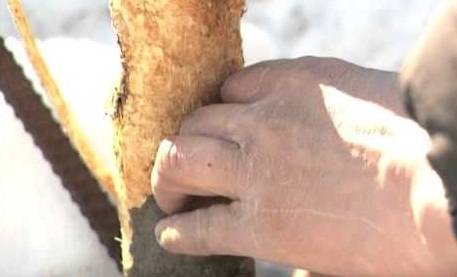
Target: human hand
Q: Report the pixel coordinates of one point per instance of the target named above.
(319, 174)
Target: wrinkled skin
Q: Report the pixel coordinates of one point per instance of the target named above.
(320, 173)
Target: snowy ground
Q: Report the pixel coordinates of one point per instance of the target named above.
(37, 218)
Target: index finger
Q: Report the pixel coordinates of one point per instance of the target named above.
(250, 84)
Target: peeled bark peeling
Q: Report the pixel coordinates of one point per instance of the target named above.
(176, 54)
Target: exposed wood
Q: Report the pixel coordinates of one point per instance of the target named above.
(176, 54)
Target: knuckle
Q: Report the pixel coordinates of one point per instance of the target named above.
(313, 60)
(185, 124)
(244, 79)
(318, 64)
(244, 127)
(308, 60)
(264, 115)
(227, 86)
(190, 121)
(251, 115)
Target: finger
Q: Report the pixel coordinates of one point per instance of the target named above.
(217, 230)
(222, 121)
(173, 202)
(169, 196)
(199, 166)
(251, 84)
(169, 202)
(182, 199)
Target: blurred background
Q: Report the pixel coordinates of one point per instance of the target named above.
(42, 233)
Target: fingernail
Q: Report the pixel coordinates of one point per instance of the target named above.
(166, 144)
(166, 234)
(168, 152)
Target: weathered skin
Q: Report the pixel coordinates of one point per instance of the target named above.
(176, 54)
(323, 171)
(430, 85)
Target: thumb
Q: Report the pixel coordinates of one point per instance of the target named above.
(217, 230)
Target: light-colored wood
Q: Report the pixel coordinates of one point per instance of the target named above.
(176, 55)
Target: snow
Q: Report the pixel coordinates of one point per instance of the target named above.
(368, 32)
(42, 233)
(74, 18)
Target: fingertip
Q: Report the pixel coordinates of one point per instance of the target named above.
(203, 232)
(166, 235)
(164, 159)
(167, 153)
(158, 229)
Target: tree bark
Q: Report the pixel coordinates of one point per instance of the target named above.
(176, 54)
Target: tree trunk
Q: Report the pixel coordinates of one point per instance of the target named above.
(176, 54)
